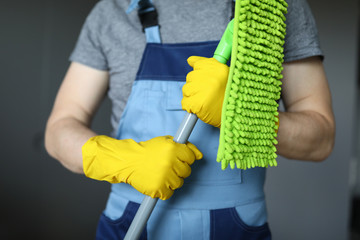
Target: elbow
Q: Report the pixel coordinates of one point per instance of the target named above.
(51, 150)
(325, 149)
(325, 152)
(67, 129)
(48, 143)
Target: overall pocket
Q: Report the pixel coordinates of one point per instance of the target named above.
(132, 123)
(174, 95)
(109, 229)
(227, 224)
(143, 117)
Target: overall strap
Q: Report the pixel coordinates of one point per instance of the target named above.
(149, 19)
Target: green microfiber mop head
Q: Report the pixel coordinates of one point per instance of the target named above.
(249, 114)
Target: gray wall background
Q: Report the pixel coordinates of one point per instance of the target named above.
(39, 199)
(312, 200)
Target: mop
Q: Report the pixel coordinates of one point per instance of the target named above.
(249, 118)
(249, 114)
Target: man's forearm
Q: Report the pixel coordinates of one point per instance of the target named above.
(305, 136)
(64, 139)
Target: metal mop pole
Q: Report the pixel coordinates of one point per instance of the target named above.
(222, 54)
(148, 204)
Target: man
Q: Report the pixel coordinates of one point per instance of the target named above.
(105, 61)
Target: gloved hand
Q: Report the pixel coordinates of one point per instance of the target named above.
(204, 91)
(155, 167)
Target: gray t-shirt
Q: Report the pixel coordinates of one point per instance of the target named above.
(114, 41)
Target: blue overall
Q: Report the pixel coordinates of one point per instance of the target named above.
(212, 204)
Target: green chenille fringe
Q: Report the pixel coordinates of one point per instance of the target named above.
(249, 113)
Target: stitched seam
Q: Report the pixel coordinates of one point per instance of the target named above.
(245, 227)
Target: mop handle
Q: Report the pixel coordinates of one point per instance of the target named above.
(148, 204)
(222, 54)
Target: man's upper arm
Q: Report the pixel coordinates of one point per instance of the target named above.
(305, 88)
(80, 93)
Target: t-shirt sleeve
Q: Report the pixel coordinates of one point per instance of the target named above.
(301, 40)
(88, 49)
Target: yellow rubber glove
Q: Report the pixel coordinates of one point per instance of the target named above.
(204, 90)
(155, 167)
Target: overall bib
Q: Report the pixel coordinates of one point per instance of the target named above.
(212, 204)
